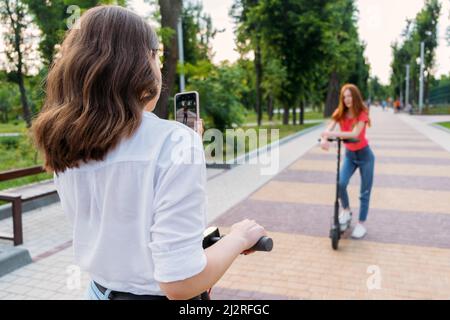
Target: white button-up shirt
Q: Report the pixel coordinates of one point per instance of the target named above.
(138, 216)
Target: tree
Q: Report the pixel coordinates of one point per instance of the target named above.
(274, 76)
(359, 75)
(344, 52)
(18, 42)
(51, 18)
(220, 90)
(291, 30)
(378, 91)
(197, 33)
(422, 29)
(7, 94)
(170, 11)
(248, 25)
(426, 31)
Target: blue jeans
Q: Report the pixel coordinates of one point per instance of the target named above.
(363, 159)
(94, 294)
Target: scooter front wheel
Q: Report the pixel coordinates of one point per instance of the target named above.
(334, 235)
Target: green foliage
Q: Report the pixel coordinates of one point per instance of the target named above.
(197, 32)
(16, 155)
(8, 99)
(378, 92)
(422, 29)
(17, 152)
(52, 16)
(220, 95)
(302, 43)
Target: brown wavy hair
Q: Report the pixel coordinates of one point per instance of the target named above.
(357, 107)
(97, 87)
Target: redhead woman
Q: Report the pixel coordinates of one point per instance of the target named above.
(353, 118)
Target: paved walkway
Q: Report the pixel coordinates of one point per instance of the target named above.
(406, 253)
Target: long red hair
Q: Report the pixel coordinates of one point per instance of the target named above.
(357, 107)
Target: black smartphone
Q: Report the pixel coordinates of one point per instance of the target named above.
(187, 109)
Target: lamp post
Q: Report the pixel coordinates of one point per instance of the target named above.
(181, 53)
(407, 86)
(422, 65)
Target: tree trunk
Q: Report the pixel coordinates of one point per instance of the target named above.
(286, 114)
(170, 12)
(270, 107)
(294, 114)
(16, 18)
(302, 112)
(258, 70)
(332, 95)
(413, 90)
(24, 101)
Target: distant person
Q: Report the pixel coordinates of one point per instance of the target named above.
(389, 102)
(408, 108)
(397, 105)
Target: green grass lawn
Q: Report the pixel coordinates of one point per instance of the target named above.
(309, 115)
(13, 127)
(445, 124)
(284, 131)
(17, 153)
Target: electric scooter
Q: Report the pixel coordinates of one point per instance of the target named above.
(335, 230)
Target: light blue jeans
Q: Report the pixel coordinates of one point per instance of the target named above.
(93, 293)
(363, 159)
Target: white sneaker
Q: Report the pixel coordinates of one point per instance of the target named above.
(344, 220)
(359, 231)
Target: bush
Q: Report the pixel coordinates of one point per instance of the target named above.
(9, 143)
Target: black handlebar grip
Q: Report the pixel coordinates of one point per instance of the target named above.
(263, 244)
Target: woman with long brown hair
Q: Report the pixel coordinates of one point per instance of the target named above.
(132, 184)
(353, 118)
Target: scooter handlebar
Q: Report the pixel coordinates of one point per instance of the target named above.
(212, 235)
(263, 244)
(349, 140)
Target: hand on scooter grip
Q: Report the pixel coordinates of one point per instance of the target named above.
(324, 144)
(249, 232)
